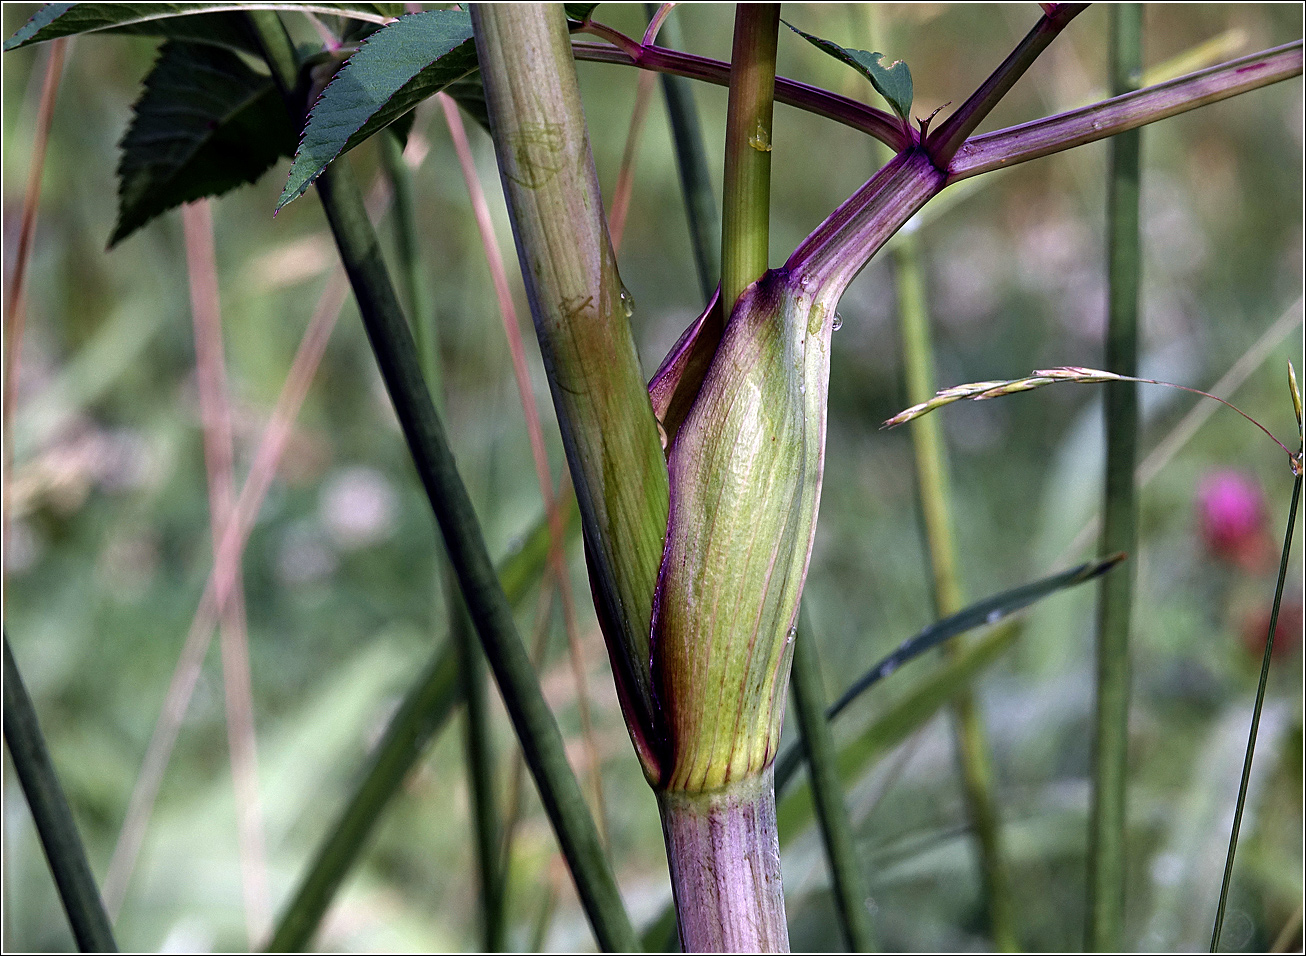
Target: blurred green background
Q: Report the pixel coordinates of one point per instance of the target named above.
(109, 547)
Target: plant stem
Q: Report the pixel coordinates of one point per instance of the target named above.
(701, 209)
(1256, 714)
(582, 319)
(724, 854)
(1106, 857)
(1019, 144)
(536, 728)
(478, 744)
(52, 816)
(935, 498)
(885, 127)
(846, 876)
(480, 776)
(944, 142)
(746, 195)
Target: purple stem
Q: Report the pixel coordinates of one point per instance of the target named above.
(841, 246)
(944, 142)
(883, 126)
(1017, 144)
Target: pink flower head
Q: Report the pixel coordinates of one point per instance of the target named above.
(1231, 508)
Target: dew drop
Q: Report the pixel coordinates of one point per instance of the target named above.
(627, 303)
(838, 322)
(789, 638)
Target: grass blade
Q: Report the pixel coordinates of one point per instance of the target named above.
(1106, 853)
(846, 876)
(1256, 714)
(54, 820)
(421, 716)
(989, 611)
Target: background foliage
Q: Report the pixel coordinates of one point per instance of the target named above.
(110, 546)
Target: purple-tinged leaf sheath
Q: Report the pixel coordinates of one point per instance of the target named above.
(675, 385)
(745, 473)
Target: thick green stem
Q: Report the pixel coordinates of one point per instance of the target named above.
(582, 319)
(54, 820)
(724, 855)
(1106, 857)
(746, 197)
(846, 877)
(691, 162)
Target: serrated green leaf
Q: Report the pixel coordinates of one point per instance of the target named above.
(394, 70)
(892, 81)
(205, 124)
(56, 20)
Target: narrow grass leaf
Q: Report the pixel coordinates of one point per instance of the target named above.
(422, 714)
(205, 124)
(891, 80)
(395, 69)
(919, 705)
(989, 611)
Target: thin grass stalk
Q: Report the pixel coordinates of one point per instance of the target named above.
(1256, 715)
(536, 728)
(1188, 426)
(219, 458)
(52, 816)
(478, 744)
(220, 582)
(701, 209)
(746, 195)
(934, 496)
(421, 716)
(530, 411)
(479, 750)
(626, 176)
(1108, 819)
(14, 304)
(847, 879)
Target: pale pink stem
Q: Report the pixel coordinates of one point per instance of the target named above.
(512, 329)
(626, 178)
(218, 588)
(219, 460)
(14, 305)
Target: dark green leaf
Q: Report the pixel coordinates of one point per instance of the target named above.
(153, 19)
(398, 67)
(205, 124)
(892, 81)
(579, 12)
